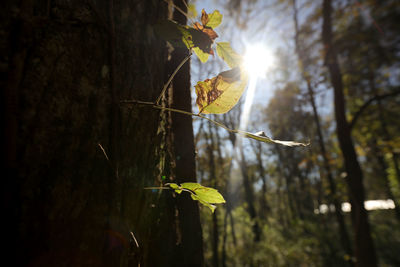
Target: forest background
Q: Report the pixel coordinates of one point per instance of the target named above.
(281, 201)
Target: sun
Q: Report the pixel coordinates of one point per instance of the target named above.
(258, 59)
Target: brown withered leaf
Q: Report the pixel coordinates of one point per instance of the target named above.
(203, 34)
(221, 93)
(207, 30)
(203, 37)
(204, 17)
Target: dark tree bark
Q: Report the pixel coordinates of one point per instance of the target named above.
(184, 151)
(364, 247)
(76, 162)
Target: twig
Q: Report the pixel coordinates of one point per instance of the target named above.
(178, 111)
(257, 136)
(156, 187)
(134, 239)
(171, 77)
(136, 242)
(104, 152)
(367, 104)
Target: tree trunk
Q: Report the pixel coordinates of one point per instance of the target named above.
(77, 163)
(265, 208)
(213, 184)
(364, 247)
(344, 237)
(191, 244)
(291, 193)
(249, 195)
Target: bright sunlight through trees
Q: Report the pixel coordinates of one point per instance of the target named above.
(258, 59)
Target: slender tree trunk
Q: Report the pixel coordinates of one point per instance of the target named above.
(249, 194)
(290, 191)
(265, 208)
(364, 246)
(228, 217)
(213, 181)
(344, 237)
(191, 246)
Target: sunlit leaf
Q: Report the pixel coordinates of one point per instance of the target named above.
(204, 35)
(205, 195)
(260, 136)
(200, 37)
(225, 51)
(203, 56)
(176, 187)
(212, 20)
(210, 206)
(221, 93)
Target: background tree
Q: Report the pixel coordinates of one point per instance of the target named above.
(302, 226)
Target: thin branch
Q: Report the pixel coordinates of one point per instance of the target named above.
(178, 111)
(260, 136)
(172, 76)
(104, 151)
(157, 187)
(134, 239)
(367, 104)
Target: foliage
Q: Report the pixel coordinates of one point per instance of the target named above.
(205, 195)
(216, 95)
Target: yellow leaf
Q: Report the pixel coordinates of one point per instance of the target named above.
(226, 52)
(221, 93)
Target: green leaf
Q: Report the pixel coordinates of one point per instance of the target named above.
(176, 187)
(260, 136)
(173, 186)
(210, 206)
(221, 93)
(225, 51)
(187, 37)
(203, 56)
(214, 19)
(206, 194)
